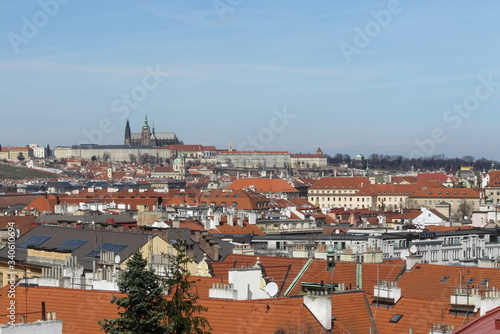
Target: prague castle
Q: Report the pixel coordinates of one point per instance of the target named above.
(148, 137)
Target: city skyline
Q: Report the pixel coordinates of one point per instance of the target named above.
(386, 77)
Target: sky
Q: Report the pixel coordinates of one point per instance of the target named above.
(414, 78)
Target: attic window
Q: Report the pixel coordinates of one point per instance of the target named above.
(444, 279)
(485, 282)
(470, 281)
(395, 318)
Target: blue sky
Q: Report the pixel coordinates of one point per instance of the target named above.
(352, 76)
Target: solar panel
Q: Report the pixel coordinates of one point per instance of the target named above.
(34, 240)
(72, 244)
(115, 248)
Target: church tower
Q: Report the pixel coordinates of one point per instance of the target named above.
(146, 133)
(128, 134)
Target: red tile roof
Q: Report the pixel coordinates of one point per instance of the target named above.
(244, 199)
(254, 152)
(23, 223)
(417, 313)
(424, 280)
(224, 228)
(340, 183)
(81, 309)
(263, 185)
(444, 192)
(277, 269)
(485, 324)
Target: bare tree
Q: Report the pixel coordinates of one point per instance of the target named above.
(464, 209)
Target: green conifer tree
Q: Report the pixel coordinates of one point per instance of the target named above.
(144, 305)
(182, 312)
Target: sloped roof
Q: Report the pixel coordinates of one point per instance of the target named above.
(345, 272)
(404, 179)
(483, 325)
(388, 189)
(281, 270)
(81, 309)
(224, 228)
(417, 313)
(260, 316)
(444, 192)
(352, 313)
(10, 200)
(78, 309)
(440, 177)
(424, 280)
(244, 199)
(263, 185)
(494, 178)
(355, 182)
(23, 223)
(91, 238)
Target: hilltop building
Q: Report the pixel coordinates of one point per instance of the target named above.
(148, 136)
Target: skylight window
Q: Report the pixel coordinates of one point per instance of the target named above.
(485, 282)
(395, 318)
(470, 281)
(444, 279)
(34, 240)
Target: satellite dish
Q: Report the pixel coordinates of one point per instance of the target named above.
(271, 289)
(413, 249)
(337, 231)
(117, 259)
(404, 254)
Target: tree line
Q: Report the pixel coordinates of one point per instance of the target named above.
(400, 163)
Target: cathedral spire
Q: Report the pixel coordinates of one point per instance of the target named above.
(128, 134)
(146, 125)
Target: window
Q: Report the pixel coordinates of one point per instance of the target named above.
(395, 318)
(444, 279)
(485, 282)
(470, 281)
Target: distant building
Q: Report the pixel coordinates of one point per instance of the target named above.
(38, 151)
(148, 136)
(254, 159)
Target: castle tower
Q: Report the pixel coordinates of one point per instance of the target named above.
(128, 134)
(146, 133)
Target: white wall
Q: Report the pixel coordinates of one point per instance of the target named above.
(38, 327)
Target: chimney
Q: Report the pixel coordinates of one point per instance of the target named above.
(216, 218)
(176, 222)
(412, 260)
(320, 305)
(230, 220)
